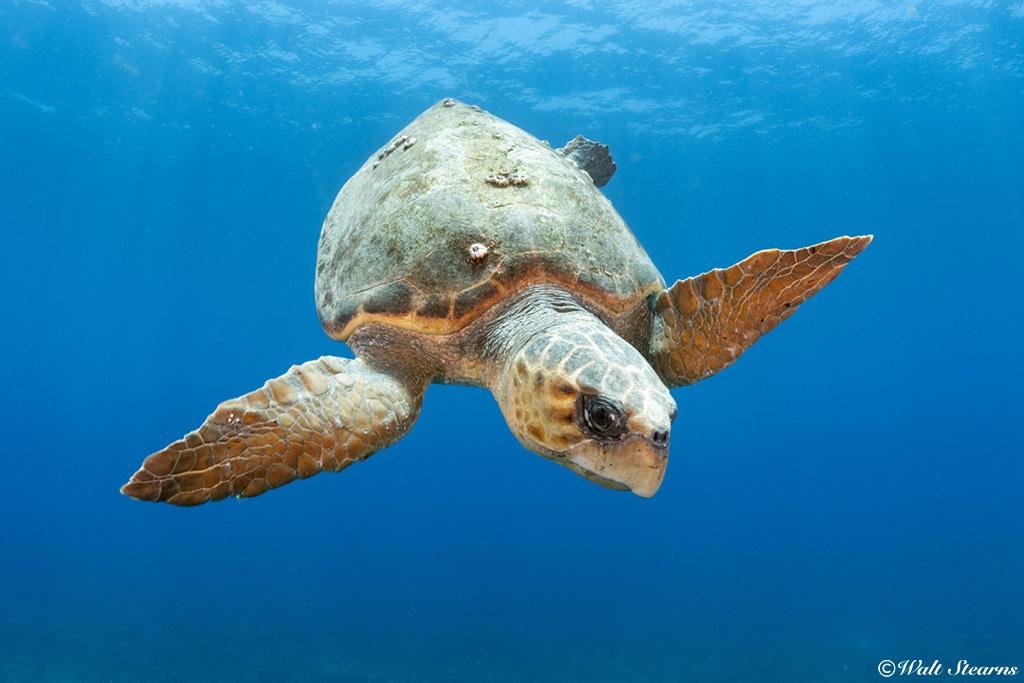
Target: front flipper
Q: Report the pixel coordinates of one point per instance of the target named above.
(320, 416)
(702, 324)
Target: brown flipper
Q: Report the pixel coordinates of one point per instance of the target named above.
(320, 416)
(702, 324)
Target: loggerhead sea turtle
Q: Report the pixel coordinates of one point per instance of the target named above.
(467, 251)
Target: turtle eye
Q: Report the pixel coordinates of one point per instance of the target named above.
(602, 417)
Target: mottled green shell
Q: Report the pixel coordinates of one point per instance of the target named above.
(459, 211)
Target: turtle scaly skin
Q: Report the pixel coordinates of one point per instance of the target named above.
(320, 416)
(467, 251)
(704, 323)
(557, 357)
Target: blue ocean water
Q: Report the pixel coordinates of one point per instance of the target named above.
(849, 491)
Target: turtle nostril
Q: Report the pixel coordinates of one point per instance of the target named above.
(660, 437)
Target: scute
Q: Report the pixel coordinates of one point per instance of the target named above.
(395, 246)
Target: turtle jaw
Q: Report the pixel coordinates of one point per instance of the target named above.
(634, 464)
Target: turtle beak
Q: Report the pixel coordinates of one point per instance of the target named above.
(634, 464)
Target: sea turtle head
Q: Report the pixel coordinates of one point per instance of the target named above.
(581, 396)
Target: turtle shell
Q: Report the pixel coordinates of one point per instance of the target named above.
(460, 211)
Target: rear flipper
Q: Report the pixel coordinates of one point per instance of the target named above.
(702, 324)
(320, 416)
(592, 157)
